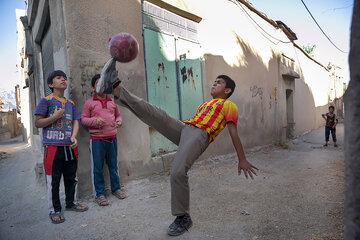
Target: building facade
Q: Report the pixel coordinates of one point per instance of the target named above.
(184, 45)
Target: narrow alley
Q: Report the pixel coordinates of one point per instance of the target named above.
(298, 194)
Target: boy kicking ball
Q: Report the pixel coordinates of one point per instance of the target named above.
(192, 136)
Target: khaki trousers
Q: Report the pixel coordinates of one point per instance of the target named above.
(192, 142)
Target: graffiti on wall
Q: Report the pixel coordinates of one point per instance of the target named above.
(88, 70)
(256, 91)
(188, 75)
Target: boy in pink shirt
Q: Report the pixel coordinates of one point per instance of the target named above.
(101, 114)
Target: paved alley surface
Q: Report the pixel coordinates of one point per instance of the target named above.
(297, 195)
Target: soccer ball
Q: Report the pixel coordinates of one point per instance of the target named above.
(123, 47)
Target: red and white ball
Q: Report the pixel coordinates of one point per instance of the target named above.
(123, 47)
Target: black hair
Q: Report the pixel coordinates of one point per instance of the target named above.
(54, 74)
(229, 83)
(94, 78)
(332, 107)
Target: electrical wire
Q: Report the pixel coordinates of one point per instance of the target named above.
(253, 21)
(321, 28)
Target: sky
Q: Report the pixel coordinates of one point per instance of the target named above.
(8, 42)
(334, 16)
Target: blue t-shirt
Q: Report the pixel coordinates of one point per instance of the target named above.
(59, 132)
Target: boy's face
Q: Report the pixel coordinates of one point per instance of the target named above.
(94, 88)
(331, 110)
(219, 90)
(59, 82)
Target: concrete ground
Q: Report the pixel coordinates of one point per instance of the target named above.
(297, 195)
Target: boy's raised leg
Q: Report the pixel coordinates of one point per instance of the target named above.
(150, 114)
(146, 112)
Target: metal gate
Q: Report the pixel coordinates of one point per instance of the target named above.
(189, 77)
(173, 68)
(161, 82)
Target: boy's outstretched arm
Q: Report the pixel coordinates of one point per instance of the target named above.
(243, 165)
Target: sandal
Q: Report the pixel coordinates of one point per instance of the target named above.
(53, 215)
(120, 194)
(78, 207)
(101, 201)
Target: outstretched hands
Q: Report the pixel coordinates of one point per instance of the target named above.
(247, 168)
(244, 165)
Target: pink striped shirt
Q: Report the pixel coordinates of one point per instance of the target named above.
(106, 109)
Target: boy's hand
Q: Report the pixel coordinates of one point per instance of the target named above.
(247, 168)
(118, 124)
(58, 113)
(74, 142)
(100, 122)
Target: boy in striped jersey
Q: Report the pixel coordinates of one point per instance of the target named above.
(192, 136)
(58, 118)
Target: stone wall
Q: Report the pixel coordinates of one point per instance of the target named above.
(9, 125)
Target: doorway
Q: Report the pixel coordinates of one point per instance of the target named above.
(290, 128)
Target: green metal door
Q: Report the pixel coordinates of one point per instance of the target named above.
(161, 82)
(189, 77)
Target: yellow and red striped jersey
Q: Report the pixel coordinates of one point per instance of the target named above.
(212, 116)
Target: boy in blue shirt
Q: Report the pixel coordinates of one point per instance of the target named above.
(60, 122)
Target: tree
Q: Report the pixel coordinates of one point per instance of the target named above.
(309, 49)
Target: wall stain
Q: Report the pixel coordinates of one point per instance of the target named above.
(244, 114)
(161, 67)
(183, 74)
(161, 75)
(188, 74)
(191, 75)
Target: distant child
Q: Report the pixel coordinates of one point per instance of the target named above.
(331, 121)
(58, 117)
(192, 136)
(101, 114)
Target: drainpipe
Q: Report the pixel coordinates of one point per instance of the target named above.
(276, 128)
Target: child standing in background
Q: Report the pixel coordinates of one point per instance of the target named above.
(331, 121)
(101, 114)
(58, 118)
